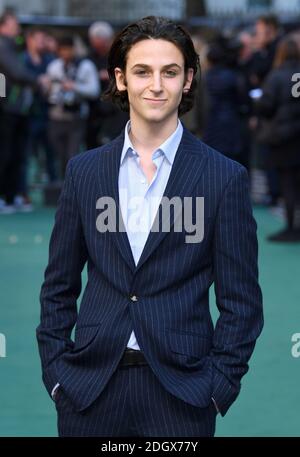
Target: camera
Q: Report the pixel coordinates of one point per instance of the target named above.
(69, 99)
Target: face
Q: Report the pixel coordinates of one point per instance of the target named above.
(264, 34)
(154, 79)
(37, 41)
(40, 41)
(11, 27)
(51, 44)
(101, 45)
(66, 53)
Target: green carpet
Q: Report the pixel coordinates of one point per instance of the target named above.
(269, 401)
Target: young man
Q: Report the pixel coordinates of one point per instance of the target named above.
(146, 360)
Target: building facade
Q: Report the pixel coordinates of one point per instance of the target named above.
(245, 7)
(123, 11)
(109, 10)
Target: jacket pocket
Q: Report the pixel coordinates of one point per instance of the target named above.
(190, 344)
(84, 336)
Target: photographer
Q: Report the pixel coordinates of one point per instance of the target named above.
(73, 82)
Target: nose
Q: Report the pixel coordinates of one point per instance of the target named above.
(156, 85)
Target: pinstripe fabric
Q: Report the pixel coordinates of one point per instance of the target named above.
(134, 403)
(171, 319)
(130, 174)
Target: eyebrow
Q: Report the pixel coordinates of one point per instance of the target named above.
(165, 67)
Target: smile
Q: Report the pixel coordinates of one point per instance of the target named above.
(155, 101)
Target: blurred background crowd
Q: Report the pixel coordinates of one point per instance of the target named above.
(247, 104)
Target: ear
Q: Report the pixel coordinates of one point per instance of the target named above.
(188, 80)
(120, 79)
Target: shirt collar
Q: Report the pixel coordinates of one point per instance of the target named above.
(168, 147)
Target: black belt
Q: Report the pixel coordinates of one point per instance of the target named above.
(132, 357)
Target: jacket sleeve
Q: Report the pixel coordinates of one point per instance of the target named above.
(14, 69)
(238, 295)
(62, 283)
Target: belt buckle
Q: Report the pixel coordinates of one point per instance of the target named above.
(133, 357)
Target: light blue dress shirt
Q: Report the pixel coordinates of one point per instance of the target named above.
(139, 200)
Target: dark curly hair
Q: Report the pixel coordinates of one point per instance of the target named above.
(154, 27)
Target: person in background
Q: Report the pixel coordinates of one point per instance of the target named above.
(246, 49)
(50, 44)
(37, 59)
(105, 119)
(73, 83)
(14, 110)
(281, 107)
(266, 37)
(225, 90)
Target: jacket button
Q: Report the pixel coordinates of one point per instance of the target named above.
(133, 298)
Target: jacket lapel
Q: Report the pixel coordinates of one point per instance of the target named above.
(186, 171)
(108, 179)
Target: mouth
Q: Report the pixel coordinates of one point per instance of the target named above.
(155, 101)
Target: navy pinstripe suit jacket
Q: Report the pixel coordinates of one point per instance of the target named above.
(171, 319)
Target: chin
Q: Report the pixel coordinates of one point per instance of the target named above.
(157, 117)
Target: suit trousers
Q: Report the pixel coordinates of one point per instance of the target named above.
(135, 404)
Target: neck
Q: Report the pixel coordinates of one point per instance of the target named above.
(148, 136)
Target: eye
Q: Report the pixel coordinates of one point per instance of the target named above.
(141, 72)
(171, 73)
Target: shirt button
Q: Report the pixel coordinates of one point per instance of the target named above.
(143, 181)
(133, 298)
